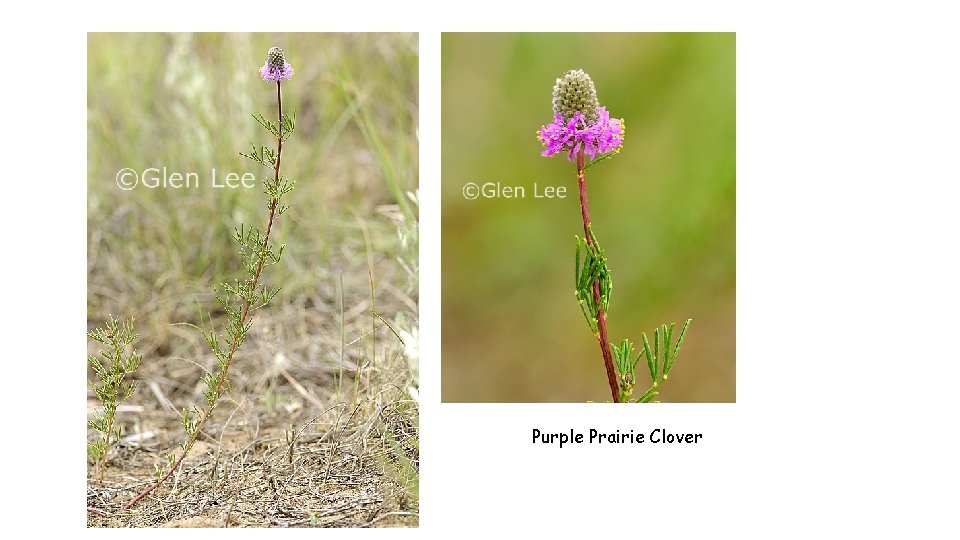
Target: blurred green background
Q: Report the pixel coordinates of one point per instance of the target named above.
(663, 209)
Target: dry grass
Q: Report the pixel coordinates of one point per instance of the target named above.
(283, 449)
(291, 444)
(332, 471)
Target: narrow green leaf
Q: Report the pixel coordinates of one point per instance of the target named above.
(186, 421)
(666, 334)
(651, 359)
(576, 274)
(97, 366)
(637, 360)
(623, 354)
(583, 309)
(651, 362)
(656, 347)
(130, 389)
(648, 396)
(676, 349)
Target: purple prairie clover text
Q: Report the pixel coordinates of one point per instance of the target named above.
(595, 436)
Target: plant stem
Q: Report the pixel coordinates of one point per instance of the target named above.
(98, 468)
(222, 377)
(601, 316)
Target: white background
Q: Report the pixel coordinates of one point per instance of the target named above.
(847, 242)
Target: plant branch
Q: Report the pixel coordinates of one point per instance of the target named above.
(246, 314)
(98, 467)
(112, 370)
(601, 315)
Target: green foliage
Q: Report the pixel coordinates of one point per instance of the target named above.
(113, 368)
(186, 104)
(592, 270)
(282, 130)
(660, 360)
(368, 126)
(593, 286)
(665, 206)
(601, 157)
(626, 368)
(241, 298)
(400, 459)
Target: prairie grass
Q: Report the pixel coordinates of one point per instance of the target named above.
(321, 418)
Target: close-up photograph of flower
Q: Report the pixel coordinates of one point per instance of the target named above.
(659, 196)
(252, 280)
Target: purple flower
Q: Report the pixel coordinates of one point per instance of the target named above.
(276, 67)
(604, 135)
(274, 74)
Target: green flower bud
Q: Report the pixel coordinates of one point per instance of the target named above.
(275, 57)
(574, 92)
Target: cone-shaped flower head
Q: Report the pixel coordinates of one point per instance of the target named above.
(575, 93)
(579, 122)
(276, 67)
(275, 57)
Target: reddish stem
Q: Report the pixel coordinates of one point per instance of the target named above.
(601, 316)
(243, 319)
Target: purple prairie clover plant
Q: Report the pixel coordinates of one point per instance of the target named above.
(583, 128)
(242, 298)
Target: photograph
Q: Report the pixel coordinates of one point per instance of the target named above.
(550, 246)
(252, 280)
(588, 190)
